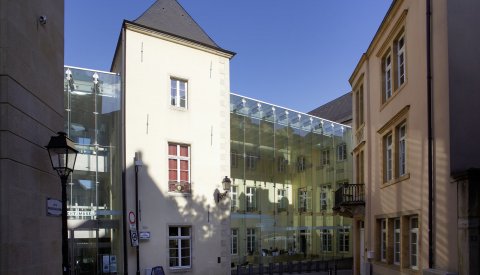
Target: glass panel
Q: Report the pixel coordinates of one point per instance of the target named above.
(173, 231)
(186, 261)
(172, 149)
(94, 191)
(184, 151)
(173, 261)
(185, 231)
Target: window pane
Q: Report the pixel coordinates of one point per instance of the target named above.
(173, 231)
(185, 231)
(184, 151)
(173, 261)
(172, 175)
(172, 164)
(186, 261)
(184, 165)
(186, 252)
(172, 149)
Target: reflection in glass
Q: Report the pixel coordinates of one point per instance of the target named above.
(285, 168)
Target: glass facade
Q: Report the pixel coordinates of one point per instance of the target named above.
(285, 168)
(94, 190)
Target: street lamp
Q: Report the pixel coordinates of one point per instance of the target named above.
(226, 183)
(63, 154)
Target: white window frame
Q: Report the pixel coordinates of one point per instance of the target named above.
(234, 241)
(326, 157)
(324, 198)
(342, 152)
(251, 240)
(383, 240)
(179, 158)
(175, 96)
(326, 240)
(234, 197)
(301, 163)
(251, 197)
(304, 199)
(251, 162)
(388, 158)
(388, 76)
(413, 245)
(402, 150)
(344, 240)
(179, 238)
(282, 164)
(401, 60)
(396, 241)
(281, 199)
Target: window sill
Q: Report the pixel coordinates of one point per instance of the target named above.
(394, 94)
(177, 108)
(180, 269)
(395, 181)
(396, 267)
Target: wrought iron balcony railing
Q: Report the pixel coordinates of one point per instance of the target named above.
(180, 187)
(350, 194)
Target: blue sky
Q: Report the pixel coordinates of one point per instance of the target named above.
(294, 53)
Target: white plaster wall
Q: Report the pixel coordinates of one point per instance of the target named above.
(150, 123)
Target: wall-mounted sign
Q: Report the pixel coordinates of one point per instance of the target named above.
(54, 207)
(133, 238)
(144, 235)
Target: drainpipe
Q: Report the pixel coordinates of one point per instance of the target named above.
(430, 134)
(124, 199)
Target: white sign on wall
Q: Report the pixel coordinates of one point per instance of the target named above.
(54, 207)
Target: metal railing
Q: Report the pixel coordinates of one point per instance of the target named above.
(350, 194)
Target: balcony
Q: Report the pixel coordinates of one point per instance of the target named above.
(181, 187)
(348, 197)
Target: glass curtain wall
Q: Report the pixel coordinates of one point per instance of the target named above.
(285, 168)
(94, 190)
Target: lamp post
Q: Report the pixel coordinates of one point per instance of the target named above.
(63, 154)
(226, 183)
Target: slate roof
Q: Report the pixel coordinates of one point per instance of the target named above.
(170, 17)
(338, 110)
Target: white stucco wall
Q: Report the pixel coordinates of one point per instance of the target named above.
(151, 123)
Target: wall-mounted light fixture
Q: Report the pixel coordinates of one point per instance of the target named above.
(226, 183)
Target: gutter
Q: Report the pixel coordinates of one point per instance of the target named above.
(430, 133)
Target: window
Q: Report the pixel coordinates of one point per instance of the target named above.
(359, 168)
(251, 241)
(179, 167)
(341, 152)
(251, 199)
(359, 107)
(282, 164)
(178, 93)
(387, 76)
(402, 149)
(388, 161)
(234, 241)
(383, 240)
(251, 162)
(414, 242)
(326, 240)
(282, 199)
(323, 197)
(234, 197)
(179, 244)
(234, 159)
(343, 239)
(304, 200)
(401, 60)
(301, 163)
(326, 157)
(396, 241)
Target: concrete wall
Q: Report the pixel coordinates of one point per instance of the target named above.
(151, 123)
(31, 111)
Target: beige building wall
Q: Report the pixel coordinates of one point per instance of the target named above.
(151, 123)
(31, 111)
(406, 195)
